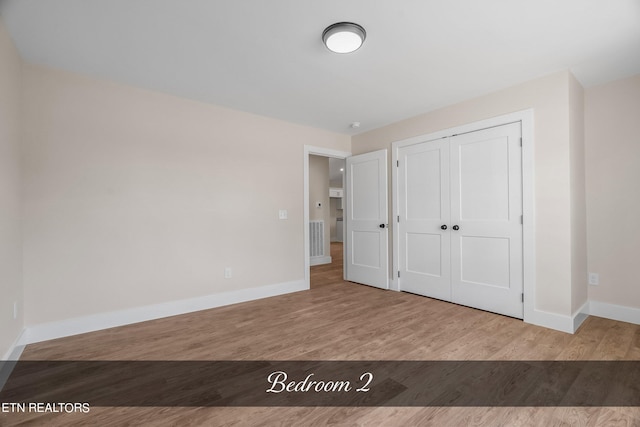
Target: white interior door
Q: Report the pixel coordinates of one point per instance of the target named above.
(424, 209)
(486, 214)
(366, 243)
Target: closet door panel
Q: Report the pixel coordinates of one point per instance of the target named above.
(486, 209)
(424, 209)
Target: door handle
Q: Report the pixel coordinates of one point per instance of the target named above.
(455, 227)
(383, 226)
(443, 227)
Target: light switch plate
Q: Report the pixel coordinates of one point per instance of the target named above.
(282, 214)
(594, 279)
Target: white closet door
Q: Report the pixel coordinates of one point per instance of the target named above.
(423, 188)
(367, 259)
(486, 210)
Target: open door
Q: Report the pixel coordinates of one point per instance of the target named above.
(367, 224)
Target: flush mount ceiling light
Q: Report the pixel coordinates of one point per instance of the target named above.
(343, 37)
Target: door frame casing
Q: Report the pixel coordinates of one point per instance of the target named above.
(323, 152)
(525, 117)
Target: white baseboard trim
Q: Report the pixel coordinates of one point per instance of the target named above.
(559, 322)
(570, 324)
(555, 321)
(96, 322)
(7, 362)
(615, 312)
(319, 260)
(580, 316)
(6, 367)
(16, 348)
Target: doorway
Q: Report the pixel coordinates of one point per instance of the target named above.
(336, 266)
(366, 223)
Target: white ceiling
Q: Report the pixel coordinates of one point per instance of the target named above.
(267, 57)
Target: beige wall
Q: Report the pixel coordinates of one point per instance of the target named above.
(319, 192)
(335, 202)
(612, 124)
(579, 280)
(135, 197)
(10, 216)
(549, 97)
(335, 213)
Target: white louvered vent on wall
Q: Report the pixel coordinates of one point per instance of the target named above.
(316, 238)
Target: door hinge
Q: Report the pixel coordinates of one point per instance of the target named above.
(522, 297)
(398, 273)
(397, 163)
(520, 141)
(398, 218)
(521, 219)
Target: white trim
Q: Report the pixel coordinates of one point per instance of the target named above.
(615, 312)
(13, 354)
(525, 117)
(546, 319)
(6, 367)
(96, 322)
(531, 314)
(580, 316)
(394, 284)
(316, 151)
(319, 260)
(16, 349)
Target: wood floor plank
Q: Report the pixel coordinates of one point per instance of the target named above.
(617, 341)
(338, 320)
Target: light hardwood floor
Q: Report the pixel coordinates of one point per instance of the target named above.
(338, 320)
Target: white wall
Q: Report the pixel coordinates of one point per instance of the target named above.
(135, 198)
(10, 194)
(549, 98)
(612, 124)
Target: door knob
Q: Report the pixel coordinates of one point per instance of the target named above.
(455, 227)
(444, 227)
(383, 225)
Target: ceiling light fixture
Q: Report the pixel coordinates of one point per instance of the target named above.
(343, 37)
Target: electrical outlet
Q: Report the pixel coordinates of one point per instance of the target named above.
(594, 279)
(227, 273)
(283, 214)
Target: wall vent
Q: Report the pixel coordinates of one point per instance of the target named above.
(316, 238)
